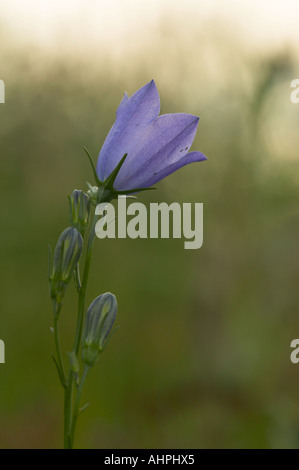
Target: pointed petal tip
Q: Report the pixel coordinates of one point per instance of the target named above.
(191, 119)
(202, 157)
(152, 84)
(195, 156)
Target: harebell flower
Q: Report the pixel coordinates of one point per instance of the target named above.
(141, 149)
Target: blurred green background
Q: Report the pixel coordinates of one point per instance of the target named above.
(202, 355)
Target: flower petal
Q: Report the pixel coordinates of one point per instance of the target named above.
(164, 145)
(133, 116)
(190, 157)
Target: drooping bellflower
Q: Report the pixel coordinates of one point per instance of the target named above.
(156, 146)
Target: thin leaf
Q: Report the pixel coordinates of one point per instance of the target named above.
(84, 407)
(59, 371)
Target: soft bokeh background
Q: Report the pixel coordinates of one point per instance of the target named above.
(202, 356)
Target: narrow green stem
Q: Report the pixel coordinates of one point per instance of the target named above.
(58, 362)
(58, 351)
(69, 419)
(68, 426)
(68, 401)
(77, 402)
(77, 278)
(82, 293)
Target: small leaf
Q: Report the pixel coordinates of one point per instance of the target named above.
(84, 407)
(59, 372)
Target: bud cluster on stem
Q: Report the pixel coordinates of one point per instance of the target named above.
(100, 315)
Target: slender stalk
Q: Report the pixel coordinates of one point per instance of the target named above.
(70, 419)
(82, 293)
(77, 403)
(58, 351)
(68, 425)
(68, 401)
(59, 362)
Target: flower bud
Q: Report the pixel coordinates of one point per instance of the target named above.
(66, 255)
(92, 192)
(99, 321)
(79, 210)
(74, 363)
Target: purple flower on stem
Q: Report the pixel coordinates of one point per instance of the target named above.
(146, 147)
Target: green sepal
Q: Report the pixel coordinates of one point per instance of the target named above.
(108, 183)
(129, 191)
(92, 166)
(106, 192)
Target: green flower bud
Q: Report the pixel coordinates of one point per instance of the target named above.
(66, 255)
(93, 193)
(74, 362)
(79, 210)
(99, 321)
